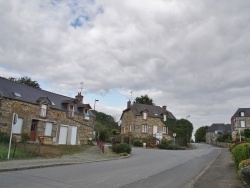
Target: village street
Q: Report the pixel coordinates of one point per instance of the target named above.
(144, 168)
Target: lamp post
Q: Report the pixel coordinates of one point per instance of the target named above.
(187, 128)
(95, 102)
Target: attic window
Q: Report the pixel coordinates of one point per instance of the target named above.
(17, 95)
(53, 104)
(242, 114)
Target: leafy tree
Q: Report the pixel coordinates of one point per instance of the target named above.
(26, 80)
(200, 134)
(183, 130)
(144, 100)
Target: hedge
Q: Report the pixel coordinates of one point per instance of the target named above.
(121, 148)
(241, 152)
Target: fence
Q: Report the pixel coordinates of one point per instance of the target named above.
(101, 145)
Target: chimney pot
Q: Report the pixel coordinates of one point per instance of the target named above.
(128, 104)
(164, 107)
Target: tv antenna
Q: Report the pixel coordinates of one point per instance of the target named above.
(81, 86)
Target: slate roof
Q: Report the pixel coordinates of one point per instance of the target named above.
(219, 127)
(153, 111)
(31, 94)
(237, 113)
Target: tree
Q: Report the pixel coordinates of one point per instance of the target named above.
(200, 134)
(144, 100)
(26, 80)
(183, 130)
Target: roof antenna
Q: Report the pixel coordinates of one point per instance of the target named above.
(81, 86)
(131, 95)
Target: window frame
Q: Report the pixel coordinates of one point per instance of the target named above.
(48, 129)
(144, 115)
(44, 108)
(242, 123)
(242, 114)
(144, 128)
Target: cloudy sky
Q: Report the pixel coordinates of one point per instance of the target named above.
(193, 56)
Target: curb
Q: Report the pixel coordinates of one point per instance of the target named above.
(59, 164)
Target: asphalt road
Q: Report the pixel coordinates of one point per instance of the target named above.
(145, 168)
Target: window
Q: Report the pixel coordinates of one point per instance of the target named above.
(71, 111)
(144, 115)
(86, 116)
(17, 95)
(48, 129)
(164, 130)
(124, 130)
(164, 117)
(17, 128)
(130, 128)
(43, 110)
(144, 128)
(242, 114)
(242, 124)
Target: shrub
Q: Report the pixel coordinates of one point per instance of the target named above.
(245, 174)
(138, 143)
(4, 137)
(24, 137)
(244, 163)
(163, 145)
(241, 152)
(226, 137)
(247, 133)
(121, 148)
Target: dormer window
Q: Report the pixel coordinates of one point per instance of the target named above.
(164, 117)
(242, 114)
(144, 115)
(17, 95)
(43, 110)
(71, 110)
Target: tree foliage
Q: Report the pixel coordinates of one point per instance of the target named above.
(144, 99)
(183, 129)
(105, 125)
(26, 80)
(200, 134)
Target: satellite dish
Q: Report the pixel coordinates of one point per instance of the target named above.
(1, 95)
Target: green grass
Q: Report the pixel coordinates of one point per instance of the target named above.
(18, 154)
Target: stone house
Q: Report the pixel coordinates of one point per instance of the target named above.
(240, 121)
(43, 115)
(215, 130)
(143, 120)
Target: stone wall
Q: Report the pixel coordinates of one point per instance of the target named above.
(136, 122)
(30, 112)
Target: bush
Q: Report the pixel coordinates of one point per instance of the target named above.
(4, 137)
(247, 133)
(122, 148)
(226, 137)
(24, 137)
(163, 145)
(244, 163)
(245, 174)
(241, 152)
(138, 143)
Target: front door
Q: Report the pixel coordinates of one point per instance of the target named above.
(33, 130)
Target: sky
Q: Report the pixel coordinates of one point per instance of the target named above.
(192, 56)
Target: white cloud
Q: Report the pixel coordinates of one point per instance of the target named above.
(192, 56)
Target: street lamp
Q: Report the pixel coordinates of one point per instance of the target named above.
(95, 102)
(187, 128)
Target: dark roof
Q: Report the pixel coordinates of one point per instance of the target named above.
(153, 111)
(237, 113)
(219, 127)
(30, 94)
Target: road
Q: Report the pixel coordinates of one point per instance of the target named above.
(144, 168)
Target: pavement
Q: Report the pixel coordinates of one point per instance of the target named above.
(221, 173)
(92, 154)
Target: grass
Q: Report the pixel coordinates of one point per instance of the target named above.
(46, 151)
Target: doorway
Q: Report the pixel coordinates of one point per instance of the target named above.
(33, 130)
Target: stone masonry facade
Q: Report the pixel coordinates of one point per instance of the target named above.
(32, 113)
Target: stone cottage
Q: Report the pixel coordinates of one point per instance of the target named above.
(142, 120)
(43, 115)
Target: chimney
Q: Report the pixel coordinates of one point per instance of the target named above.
(128, 104)
(164, 107)
(79, 97)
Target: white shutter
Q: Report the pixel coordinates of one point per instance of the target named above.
(154, 129)
(242, 123)
(63, 135)
(17, 128)
(48, 129)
